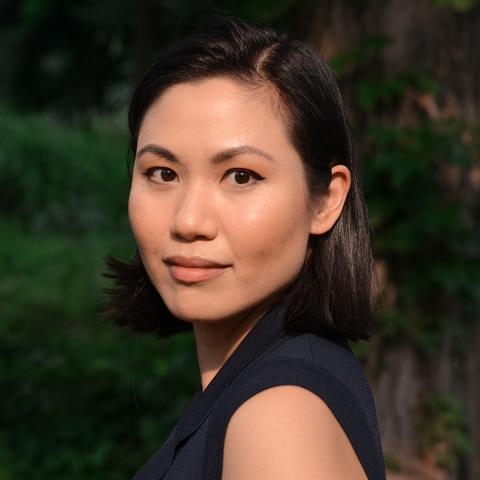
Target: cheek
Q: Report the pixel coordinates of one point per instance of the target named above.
(271, 236)
(145, 219)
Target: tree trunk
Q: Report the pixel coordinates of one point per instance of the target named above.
(445, 44)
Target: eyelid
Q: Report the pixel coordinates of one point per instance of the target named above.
(252, 173)
(149, 173)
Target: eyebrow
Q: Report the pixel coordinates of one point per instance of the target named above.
(219, 157)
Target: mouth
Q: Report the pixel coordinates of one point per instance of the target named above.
(194, 274)
(193, 269)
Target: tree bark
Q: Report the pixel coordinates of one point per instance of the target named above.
(444, 43)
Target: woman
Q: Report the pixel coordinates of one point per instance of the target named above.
(251, 230)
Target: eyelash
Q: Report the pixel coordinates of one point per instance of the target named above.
(149, 173)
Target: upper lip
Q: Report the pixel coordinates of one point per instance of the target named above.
(193, 262)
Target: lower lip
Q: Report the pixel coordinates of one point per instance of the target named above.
(188, 274)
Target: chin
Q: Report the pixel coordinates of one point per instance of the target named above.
(204, 309)
(192, 310)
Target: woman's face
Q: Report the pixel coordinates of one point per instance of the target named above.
(216, 177)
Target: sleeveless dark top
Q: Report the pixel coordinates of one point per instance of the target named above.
(266, 357)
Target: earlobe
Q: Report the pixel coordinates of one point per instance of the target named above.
(329, 206)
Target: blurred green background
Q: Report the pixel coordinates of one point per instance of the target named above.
(84, 399)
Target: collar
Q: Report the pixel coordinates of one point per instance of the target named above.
(264, 333)
(263, 336)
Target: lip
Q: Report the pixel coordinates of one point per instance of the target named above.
(193, 269)
(193, 262)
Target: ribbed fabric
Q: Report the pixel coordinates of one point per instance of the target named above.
(267, 357)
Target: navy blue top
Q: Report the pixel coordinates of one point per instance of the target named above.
(268, 356)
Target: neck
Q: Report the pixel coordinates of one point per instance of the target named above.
(216, 341)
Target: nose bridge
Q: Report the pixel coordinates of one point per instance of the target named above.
(194, 214)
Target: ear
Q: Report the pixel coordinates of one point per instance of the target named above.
(329, 205)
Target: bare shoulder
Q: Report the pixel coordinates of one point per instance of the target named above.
(287, 432)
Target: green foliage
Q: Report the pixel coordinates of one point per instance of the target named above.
(460, 5)
(367, 51)
(34, 12)
(85, 399)
(415, 177)
(60, 177)
(82, 398)
(74, 55)
(392, 464)
(444, 430)
(374, 93)
(432, 252)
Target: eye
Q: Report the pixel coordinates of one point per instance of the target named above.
(166, 175)
(241, 176)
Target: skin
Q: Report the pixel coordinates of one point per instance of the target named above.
(193, 206)
(287, 432)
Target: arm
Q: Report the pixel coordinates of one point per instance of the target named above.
(288, 432)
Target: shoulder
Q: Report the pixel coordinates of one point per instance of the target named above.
(305, 392)
(327, 364)
(287, 432)
(333, 353)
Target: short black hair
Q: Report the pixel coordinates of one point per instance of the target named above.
(333, 292)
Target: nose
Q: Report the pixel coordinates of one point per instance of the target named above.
(194, 217)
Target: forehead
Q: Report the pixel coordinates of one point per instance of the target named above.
(216, 104)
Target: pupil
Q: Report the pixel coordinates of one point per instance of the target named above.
(167, 175)
(242, 177)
